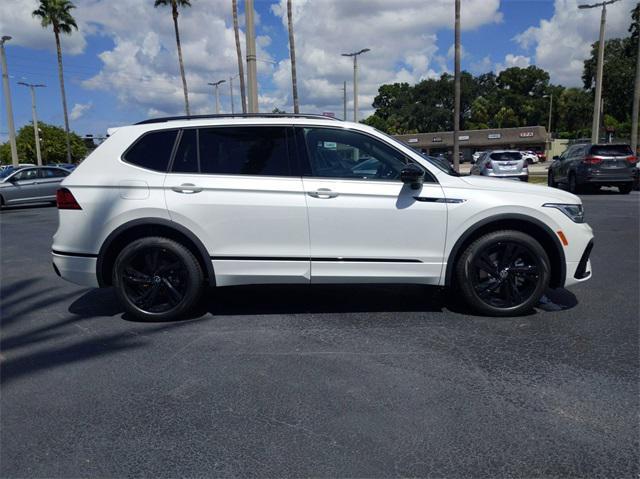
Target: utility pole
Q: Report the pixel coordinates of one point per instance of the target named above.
(344, 100)
(32, 88)
(550, 96)
(595, 127)
(252, 71)
(7, 95)
(636, 102)
(292, 50)
(456, 92)
(215, 86)
(355, 79)
(231, 94)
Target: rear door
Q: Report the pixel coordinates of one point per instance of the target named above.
(506, 163)
(365, 224)
(236, 188)
(49, 180)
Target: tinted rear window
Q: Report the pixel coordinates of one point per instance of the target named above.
(506, 156)
(186, 160)
(611, 150)
(153, 150)
(244, 151)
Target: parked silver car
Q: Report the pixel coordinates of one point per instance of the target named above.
(30, 184)
(502, 164)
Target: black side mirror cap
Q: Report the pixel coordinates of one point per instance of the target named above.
(556, 157)
(412, 175)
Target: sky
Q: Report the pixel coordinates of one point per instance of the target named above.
(121, 65)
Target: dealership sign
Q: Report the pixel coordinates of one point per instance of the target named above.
(526, 134)
(463, 137)
(437, 139)
(494, 136)
(412, 140)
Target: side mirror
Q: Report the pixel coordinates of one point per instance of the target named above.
(412, 175)
(556, 158)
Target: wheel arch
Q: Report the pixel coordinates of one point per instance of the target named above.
(141, 228)
(526, 224)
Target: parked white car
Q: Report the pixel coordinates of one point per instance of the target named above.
(181, 203)
(530, 157)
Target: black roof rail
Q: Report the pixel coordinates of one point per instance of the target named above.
(234, 115)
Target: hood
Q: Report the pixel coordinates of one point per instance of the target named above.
(552, 195)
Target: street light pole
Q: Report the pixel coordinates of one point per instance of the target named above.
(32, 88)
(344, 100)
(595, 128)
(231, 93)
(550, 96)
(216, 85)
(636, 102)
(252, 71)
(7, 95)
(355, 79)
(456, 90)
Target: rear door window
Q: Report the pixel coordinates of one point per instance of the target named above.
(246, 150)
(611, 150)
(186, 159)
(153, 150)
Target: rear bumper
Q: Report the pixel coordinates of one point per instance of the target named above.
(605, 178)
(78, 269)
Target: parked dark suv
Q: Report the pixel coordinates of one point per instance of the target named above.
(594, 166)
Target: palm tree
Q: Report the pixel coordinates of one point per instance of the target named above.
(292, 49)
(57, 14)
(234, 7)
(174, 11)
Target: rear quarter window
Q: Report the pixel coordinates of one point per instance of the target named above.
(152, 150)
(611, 150)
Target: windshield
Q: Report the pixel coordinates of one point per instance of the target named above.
(6, 172)
(506, 156)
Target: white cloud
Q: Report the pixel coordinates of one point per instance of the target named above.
(16, 21)
(401, 35)
(79, 109)
(511, 60)
(563, 42)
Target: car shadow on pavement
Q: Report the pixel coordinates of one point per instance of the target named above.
(316, 299)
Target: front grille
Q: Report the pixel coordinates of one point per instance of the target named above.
(581, 272)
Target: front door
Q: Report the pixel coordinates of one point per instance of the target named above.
(365, 224)
(235, 188)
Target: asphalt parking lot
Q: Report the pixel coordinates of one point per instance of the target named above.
(371, 381)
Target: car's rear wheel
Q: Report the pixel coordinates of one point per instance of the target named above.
(504, 273)
(157, 279)
(625, 189)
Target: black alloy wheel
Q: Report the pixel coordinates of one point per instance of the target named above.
(503, 273)
(551, 181)
(573, 184)
(157, 279)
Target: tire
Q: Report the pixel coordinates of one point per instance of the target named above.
(551, 181)
(625, 189)
(157, 279)
(573, 184)
(504, 273)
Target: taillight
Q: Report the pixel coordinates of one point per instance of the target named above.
(632, 159)
(592, 160)
(66, 200)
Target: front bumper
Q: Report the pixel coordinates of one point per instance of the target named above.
(76, 269)
(579, 271)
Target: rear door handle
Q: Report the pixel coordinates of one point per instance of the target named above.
(323, 193)
(187, 188)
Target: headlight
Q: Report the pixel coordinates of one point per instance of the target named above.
(575, 212)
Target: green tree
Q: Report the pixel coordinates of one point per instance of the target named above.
(174, 4)
(57, 14)
(52, 144)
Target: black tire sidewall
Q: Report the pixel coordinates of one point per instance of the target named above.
(194, 275)
(463, 272)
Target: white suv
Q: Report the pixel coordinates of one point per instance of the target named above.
(165, 207)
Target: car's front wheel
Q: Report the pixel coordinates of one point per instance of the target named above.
(504, 273)
(157, 279)
(551, 180)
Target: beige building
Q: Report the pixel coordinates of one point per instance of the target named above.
(525, 138)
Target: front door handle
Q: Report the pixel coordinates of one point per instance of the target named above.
(187, 188)
(323, 193)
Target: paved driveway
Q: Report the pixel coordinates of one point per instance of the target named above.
(372, 381)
